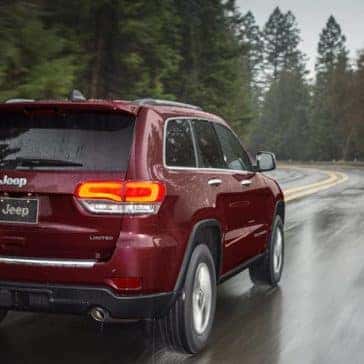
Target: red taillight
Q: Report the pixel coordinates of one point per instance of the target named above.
(144, 192)
(101, 190)
(122, 191)
(131, 197)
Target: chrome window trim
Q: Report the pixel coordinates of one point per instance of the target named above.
(213, 170)
(64, 263)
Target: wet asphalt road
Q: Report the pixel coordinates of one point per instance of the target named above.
(315, 316)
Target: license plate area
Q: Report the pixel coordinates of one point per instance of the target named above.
(18, 210)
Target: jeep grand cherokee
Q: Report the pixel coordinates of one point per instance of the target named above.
(131, 210)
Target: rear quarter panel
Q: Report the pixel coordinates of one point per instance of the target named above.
(185, 205)
(159, 255)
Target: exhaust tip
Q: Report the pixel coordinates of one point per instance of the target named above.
(99, 314)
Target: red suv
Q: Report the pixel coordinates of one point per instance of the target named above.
(131, 210)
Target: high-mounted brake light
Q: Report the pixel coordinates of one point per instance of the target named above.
(131, 197)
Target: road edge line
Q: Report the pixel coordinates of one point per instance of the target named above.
(335, 178)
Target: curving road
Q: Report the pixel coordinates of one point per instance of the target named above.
(316, 316)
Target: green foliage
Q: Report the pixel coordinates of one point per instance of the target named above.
(127, 48)
(331, 47)
(355, 130)
(284, 118)
(252, 40)
(172, 49)
(211, 72)
(199, 51)
(331, 95)
(32, 61)
(284, 122)
(281, 38)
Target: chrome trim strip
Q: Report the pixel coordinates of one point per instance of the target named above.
(212, 170)
(64, 263)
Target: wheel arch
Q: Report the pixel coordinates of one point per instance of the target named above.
(280, 210)
(207, 232)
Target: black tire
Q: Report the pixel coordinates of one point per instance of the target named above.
(3, 314)
(264, 271)
(178, 327)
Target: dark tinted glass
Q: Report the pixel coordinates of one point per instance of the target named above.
(234, 155)
(208, 144)
(86, 141)
(179, 144)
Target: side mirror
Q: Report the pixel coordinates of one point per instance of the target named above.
(266, 162)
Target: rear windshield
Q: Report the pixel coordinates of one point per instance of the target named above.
(96, 141)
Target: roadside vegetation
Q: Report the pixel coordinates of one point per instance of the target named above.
(198, 51)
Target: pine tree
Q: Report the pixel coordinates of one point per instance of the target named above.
(33, 63)
(332, 102)
(354, 128)
(283, 124)
(281, 38)
(331, 47)
(358, 109)
(253, 45)
(211, 73)
(128, 48)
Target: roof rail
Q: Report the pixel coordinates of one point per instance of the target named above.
(157, 102)
(15, 101)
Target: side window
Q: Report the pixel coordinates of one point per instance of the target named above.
(235, 156)
(208, 145)
(179, 145)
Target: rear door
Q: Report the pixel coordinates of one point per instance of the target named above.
(243, 200)
(44, 156)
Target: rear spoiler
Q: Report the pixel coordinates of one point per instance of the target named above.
(56, 106)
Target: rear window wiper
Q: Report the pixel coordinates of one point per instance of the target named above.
(37, 162)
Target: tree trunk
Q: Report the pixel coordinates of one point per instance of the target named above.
(96, 69)
(345, 153)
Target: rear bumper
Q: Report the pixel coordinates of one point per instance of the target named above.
(81, 299)
(155, 259)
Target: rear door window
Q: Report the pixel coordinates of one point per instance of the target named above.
(98, 141)
(179, 144)
(210, 153)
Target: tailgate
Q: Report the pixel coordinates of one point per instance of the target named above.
(44, 156)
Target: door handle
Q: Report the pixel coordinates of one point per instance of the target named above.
(215, 182)
(246, 182)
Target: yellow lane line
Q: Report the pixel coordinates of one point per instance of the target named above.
(334, 178)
